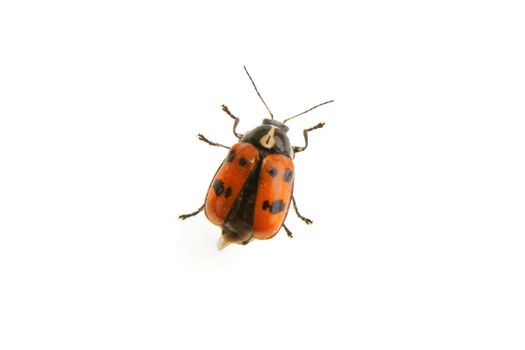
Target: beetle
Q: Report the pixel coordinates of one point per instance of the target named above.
(251, 192)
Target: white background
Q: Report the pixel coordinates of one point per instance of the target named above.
(415, 185)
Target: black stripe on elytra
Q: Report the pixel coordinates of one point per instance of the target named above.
(218, 187)
(288, 174)
(231, 156)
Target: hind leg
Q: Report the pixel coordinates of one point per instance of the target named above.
(185, 216)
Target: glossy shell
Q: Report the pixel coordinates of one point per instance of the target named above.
(274, 193)
(229, 181)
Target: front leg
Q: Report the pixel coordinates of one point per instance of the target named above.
(297, 149)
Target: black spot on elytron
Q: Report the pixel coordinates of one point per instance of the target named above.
(231, 156)
(288, 174)
(242, 161)
(276, 206)
(218, 187)
(228, 192)
(273, 172)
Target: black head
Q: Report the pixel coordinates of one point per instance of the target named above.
(277, 124)
(270, 137)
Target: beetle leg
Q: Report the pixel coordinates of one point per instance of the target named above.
(288, 232)
(235, 123)
(306, 220)
(211, 143)
(185, 216)
(297, 149)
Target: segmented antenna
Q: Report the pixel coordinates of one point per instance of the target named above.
(265, 105)
(308, 110)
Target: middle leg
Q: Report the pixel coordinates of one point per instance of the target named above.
(235, 123)
(211, 143)
(306, 220)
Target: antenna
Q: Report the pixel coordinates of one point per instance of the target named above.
(265, 105)
(308, 110)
